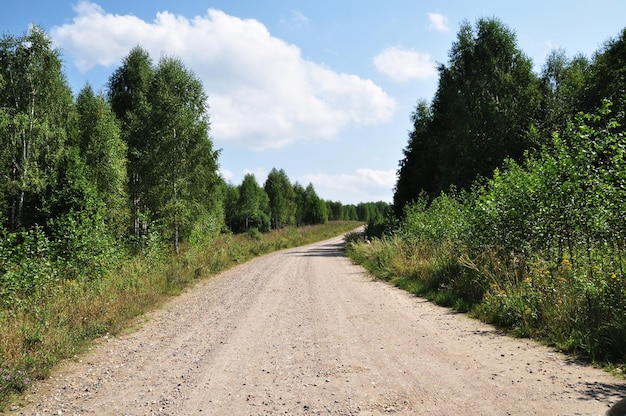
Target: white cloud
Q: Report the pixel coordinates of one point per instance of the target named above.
(402, 64)
(364, 185)
(262, 92)
(298, 18)
(438, 22)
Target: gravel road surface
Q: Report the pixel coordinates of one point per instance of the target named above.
(305, 332)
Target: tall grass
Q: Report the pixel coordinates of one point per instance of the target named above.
(58, 317)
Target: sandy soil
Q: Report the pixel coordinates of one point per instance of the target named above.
(306, 332)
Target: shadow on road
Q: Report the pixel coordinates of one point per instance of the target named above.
(605, 392)
(327, 250)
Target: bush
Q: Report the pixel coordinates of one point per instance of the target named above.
(255, 234)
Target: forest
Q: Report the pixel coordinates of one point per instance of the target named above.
(110, 200)
(509, 202)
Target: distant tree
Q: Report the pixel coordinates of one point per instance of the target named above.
(282, 204)
(300, 197)
(335, 210)
(314, 207)
(253, 205)
(350, 213)
(372, 211)
(231, 206)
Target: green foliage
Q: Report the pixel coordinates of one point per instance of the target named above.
(418, 170)
(485, 110)
(251, 207)
(606, 78)
(84, 246)
(508, 211)
(537, 244)
(443, 219)
(282, 199)
(255, 234)
(35, 118)
(26, 267)
(172, 167)
(538, 248)
(182, 172)
(104, 154)
(313, 208)
(128, 95)
(562, 83)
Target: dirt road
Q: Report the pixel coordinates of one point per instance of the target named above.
(305, 332)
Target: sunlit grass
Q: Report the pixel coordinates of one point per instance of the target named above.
(565, 305)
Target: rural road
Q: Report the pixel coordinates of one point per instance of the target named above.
(305, 332)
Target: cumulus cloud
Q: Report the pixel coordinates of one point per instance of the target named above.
(403, 64)
(438, 22)
(363, 185)
(262, 92)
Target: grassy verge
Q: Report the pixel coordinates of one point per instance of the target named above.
(561, 304)
(61, 320)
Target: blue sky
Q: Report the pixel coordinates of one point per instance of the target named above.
(322, 89)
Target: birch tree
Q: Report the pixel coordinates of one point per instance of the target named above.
(182, 181)
(127, 92)
(36, 112)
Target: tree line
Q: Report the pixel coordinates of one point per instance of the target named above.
(490, 105)
(120, 169)
(279, 203)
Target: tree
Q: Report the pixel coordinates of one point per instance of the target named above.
(181, 177)
(372, 211)
(607, 79)
(486, 109)
(300, 197)
(282, 204)
(486, 106)
(335, 210)
(350, 213)
(418, 168)
(314, 208)
(128, 94)
(104, 154)
(36, 116)
(253, 205)
(562, 84)
(172, 167)
(231, 206)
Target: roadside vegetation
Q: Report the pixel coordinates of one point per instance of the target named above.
(112, 201)
(510, 198)
(52, 318)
